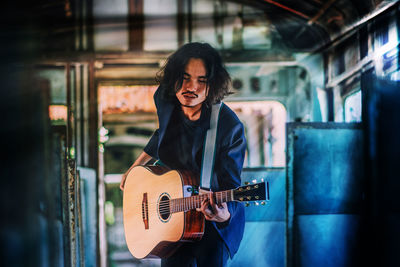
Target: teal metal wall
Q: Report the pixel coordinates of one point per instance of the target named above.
(263, 242)
(325, 183)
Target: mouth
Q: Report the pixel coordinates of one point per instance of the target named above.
(189, 95)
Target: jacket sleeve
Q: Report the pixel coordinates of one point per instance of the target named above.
(151, 147)
(230, 163)
(228, 168)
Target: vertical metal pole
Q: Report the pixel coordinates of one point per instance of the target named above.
(101, 198)
(94, 154)
(89, 25)
(68, 88)
(83, 26)
(85, 115)
(190, 20)
(93, 116)
(180, 22)
(136, 24)
(78, 117)
(77, 31)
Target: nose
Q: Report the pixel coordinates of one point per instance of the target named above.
(191, 86)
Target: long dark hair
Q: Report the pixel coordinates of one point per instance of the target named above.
(170, 77)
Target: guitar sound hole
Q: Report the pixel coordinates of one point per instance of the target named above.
(163, 208)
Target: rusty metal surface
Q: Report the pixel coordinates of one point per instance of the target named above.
(75, 216)
(65, 205)
(72, 210)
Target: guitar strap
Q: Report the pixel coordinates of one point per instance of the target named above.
(209, 148)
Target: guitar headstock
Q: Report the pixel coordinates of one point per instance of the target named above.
(251, 192)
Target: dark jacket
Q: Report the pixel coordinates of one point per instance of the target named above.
(229, 156)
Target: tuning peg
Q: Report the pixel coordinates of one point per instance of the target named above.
(262, 179)
(247, 204)
(254, 181)
(256, 203)
(263, 203)
(246, 183)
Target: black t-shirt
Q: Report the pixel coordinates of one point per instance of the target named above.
(176, 149)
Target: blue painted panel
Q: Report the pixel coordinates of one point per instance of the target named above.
(89, 215)
(325, 183)
(274, 210)
(327, 168)
(263, 245)
(327, 240)
(263, 241)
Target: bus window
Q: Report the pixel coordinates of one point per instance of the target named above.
(352, 107)
(264, 123)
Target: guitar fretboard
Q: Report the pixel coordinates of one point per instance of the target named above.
(189, 203)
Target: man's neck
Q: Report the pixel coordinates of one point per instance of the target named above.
(192, 113)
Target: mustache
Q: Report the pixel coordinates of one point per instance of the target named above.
(190, 93)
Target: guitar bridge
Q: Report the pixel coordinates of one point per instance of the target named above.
(145, 211)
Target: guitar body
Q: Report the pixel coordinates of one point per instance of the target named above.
(150, 228)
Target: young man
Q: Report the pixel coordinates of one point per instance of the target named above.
(192, 80)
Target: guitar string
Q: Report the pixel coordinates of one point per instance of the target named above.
(177, 205)
(167, 204)
(194, 198)
(183, 204)
(181, 201)
(168, 210)
(165, 209)
(177, 200)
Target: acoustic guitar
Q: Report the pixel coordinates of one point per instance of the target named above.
(159, 209)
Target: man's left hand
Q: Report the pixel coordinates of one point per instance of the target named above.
(214, 212)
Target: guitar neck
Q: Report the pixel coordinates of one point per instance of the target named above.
(193, 202)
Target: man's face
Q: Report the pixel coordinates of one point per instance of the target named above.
(194, 86)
